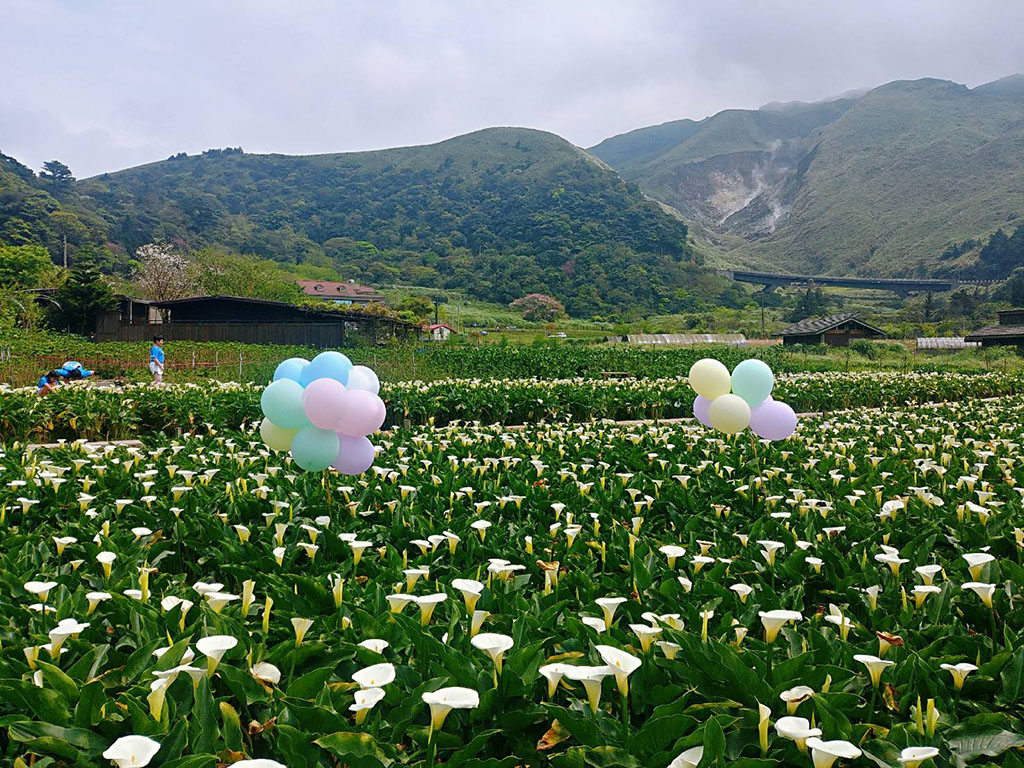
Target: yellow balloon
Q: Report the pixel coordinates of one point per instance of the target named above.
(729, 414)
(709, 378)
(277, 438)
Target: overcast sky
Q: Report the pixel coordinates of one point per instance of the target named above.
(107, 84)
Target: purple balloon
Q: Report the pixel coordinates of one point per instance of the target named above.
(772, 420)
(700, 409)
(325, 402)
(355, 455)
(364, 415)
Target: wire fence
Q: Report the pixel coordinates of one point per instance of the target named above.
(20, 370)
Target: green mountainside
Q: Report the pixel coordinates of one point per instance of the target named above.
(881, 183)
(497, 213)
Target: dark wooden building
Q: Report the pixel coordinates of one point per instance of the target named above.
(1009, 331)
(835, 330)
(252, 321)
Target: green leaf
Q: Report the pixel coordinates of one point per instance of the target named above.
(969, 741)
(356, 749)
(192, 761)
(659, 732)
(56, 679)
(46, 704)
(309, 685)
(296, 744)
(610, 757)
(89, 710)
(76, 738)
(471, 749)
(203, 730)
(714, 742)
(232, 727)
(584, 729)
(1012, 691)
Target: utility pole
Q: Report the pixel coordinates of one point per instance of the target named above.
(762, 316)
(65, 250)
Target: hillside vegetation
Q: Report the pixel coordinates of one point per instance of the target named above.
(497, 213)
(881, 184)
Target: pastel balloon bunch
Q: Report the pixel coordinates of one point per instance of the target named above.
(322, 411)
(732, 402)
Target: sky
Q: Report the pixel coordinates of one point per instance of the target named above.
(108, 84)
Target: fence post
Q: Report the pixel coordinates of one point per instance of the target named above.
(239, 366)
(216, 363)
(193, 359)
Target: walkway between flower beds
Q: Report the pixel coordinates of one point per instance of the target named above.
(520, 427)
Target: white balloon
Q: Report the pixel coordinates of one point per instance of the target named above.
(361, 377)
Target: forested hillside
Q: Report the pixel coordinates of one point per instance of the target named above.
(498, 213)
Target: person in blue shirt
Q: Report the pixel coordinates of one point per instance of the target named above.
(156, 359)
(73, 371)
(49, 382)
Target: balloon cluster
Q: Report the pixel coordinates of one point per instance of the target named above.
(732, 402)
(322, 411)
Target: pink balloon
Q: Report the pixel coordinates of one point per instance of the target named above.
(325, 402)
(355, 455)
(772, 420)
(700, 409)
(364, 416)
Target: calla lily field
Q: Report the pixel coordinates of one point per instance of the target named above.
(572, 592)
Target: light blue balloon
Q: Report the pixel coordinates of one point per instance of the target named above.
(326, 365)
(282, 404)
(290, 368)
(753, 381)
(315, 449)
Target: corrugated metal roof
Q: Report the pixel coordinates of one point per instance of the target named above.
(815, 325)
(683, 339)
(996, 331)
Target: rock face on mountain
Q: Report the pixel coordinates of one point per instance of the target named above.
(880, 182)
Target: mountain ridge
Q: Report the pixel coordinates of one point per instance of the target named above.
(848, 185)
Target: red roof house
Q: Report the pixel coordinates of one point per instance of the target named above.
(341, 292)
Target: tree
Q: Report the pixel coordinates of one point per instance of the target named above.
(25, 266)
(1013, 289)
(539, 307)
(230, 274)
(811, 303)
(84, 296)
(57, 173)
(163, 274)
(420, 307)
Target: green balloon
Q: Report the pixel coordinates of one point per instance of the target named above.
(753, 381)
(282, 404)
(314, 449)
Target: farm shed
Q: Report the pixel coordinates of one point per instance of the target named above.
(252, 321)
(1009, 331)
(686, 339)
(439, 331)
(834, 330)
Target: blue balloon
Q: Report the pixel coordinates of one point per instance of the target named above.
(290, 368)
(326, 365)
(315, 449)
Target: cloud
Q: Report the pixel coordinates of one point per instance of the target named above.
(119, 82)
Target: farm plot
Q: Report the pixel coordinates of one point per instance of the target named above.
(568, 595)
